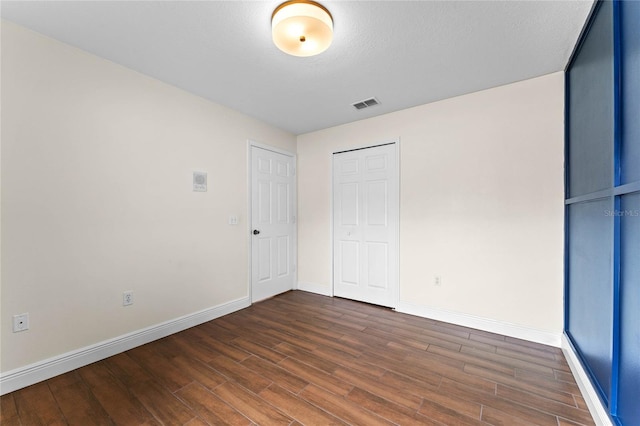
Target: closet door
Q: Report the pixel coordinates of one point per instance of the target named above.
(365, 218)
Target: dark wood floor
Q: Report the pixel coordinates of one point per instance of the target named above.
(301, 358)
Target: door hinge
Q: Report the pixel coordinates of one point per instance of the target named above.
(293, 219)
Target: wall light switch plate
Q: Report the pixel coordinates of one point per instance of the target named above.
(199, 181)
(20, 322)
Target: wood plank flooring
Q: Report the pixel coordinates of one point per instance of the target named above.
(301, 358)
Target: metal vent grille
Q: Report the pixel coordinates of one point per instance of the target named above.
(366, 103)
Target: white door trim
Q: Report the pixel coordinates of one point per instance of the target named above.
(251, 144)
(396, 142)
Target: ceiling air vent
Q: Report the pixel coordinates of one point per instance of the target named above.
(366, 103)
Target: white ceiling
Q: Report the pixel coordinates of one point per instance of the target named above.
(405, 53)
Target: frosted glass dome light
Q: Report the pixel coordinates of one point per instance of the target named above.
(302, 28)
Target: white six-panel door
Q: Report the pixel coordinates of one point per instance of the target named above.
(273, 227)
(365, 225)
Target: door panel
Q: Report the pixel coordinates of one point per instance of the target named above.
(283, 255)
(377, 263)
(283, 203)
(365, 217)
(264, 165)
(349, 204)
(349, 261)
(377, 203)
(376, 162)
(349, 166)
(272, 251)
(264, 202)
(264, 259)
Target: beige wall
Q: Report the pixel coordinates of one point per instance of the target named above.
(481, 202)
(96, 198)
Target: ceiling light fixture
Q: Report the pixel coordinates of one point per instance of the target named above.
(302, 28)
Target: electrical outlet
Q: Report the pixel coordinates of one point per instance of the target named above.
(233, 220)
(127, 298)
(437, 281)
(20, 322)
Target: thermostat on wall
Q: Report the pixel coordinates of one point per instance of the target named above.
(199, 181)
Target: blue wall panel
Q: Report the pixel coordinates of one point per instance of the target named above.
(629, 365)
(603, 233)
(591, 109)
(591, 286)
(630, 50)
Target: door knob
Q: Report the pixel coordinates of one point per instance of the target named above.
(256, 232)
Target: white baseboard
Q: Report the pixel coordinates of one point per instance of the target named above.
(596, 407)
(43, 370)
(315, 288)
(485, 324)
